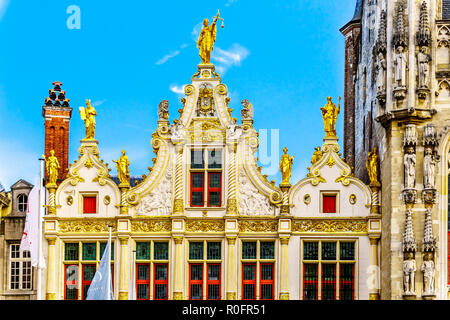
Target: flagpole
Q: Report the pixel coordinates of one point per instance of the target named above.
(109, 266)
(40, 210)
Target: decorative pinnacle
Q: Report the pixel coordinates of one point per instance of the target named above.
(381, 46)
(56, 96)
(399, 34)
(409, 242)
(429, 241)
(424, 35)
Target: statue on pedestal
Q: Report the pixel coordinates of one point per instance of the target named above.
(428, 274)
(381, 73)
(410, 168)
(372, 166)
(163, 110)
(400, 63)
(429, 169)
(330, 114)
(207, 39)
(409, 269)
(123, 169)
(52, 166)
(286, 167)
(423, 61)
(88, 116)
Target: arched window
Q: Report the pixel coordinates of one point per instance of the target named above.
(22, 202)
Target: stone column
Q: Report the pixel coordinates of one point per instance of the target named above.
(178, 269)
(51, 204)
(124, 187)
(51, 270)
(123, 277)
(284, 269)
(232, 186)
(374, 291)
(178, 205)
(231, 269)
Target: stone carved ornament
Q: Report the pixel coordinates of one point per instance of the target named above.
(159, 201)
(251, 202)
(429, 169)
(410, 168)
(428, 269)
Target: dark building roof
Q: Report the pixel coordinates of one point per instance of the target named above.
(445, 9)
(356, 16)
(133, 180)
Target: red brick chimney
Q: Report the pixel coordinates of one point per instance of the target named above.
(57, 113)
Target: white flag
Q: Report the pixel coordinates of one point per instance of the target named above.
(30, 237)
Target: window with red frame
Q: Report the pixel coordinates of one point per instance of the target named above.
(196, 281)
(88, 275)
(71, 282)
(89, 204)
(329, 203)
(329, 257)
(156, 263)
(266, 281)
(249, 281)
(213, 281)
(206, 178)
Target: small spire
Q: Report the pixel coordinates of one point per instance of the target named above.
(409, 242)
(429, 241)
(424, 35)
(399, 33)
(381, 45)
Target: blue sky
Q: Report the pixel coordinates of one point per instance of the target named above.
(285, 57)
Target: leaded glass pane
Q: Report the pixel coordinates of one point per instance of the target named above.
(161, 250)
(71, 251)
(267, 272)
(196, 250)
(310, 282)
(160, 272)
(266, 291)
(160, 291)
(328, 250)
(197, 159)
(142, 291)
(213, 251)
(196, 291)
(267, 250)
(197, 180)
(71, 282)
(213, 272)
(143, 251)
(328, 281)
(26, 275)
(143, 272)
(310, 251)
(214, 159)
(249, 272)
(213, 292)
(196, 272)
(346, 281)
(14, 277)
(248, 250)
(197, 198)
(347, 251)
(88, 272)
(89, 251)
(103, 247)
(214, 180)
(214, 198)
(249, 292)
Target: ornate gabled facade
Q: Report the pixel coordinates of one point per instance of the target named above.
(205, 223)
(399, 100)
(17, 276)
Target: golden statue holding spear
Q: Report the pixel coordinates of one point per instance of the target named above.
(207, 39)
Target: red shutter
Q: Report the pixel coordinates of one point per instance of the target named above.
(329, 204)
(89, 204)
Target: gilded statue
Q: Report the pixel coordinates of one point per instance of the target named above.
(88, 116)
(330, 115)
(52, 166)
(372, 167)
(286, 167)
(123, 169)
(317, 155)
(207, 39)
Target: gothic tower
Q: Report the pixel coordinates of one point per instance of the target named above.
(397, 91)
(57, 113)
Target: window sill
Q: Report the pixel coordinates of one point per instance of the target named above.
(18, 293)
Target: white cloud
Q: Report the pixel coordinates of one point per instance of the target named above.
(3, 6)
(230, 2)
(229, 58)
(177, 89)
(196, 31)
(98, 103)
(167, 57)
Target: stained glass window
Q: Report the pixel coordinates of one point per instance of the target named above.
(267, 250)
(347, 250)
(143, 250)
(89, 251)
(214, 250)
(161, 250)
(310, 251)
(328, 250)
(196, 250)
(71, 251)
(248, 250)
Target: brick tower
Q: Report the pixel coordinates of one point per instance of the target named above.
(57, 113)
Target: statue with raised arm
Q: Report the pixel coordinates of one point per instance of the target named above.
(52, 166)
(123, 169)
(88, 116)
(207, 39)
(286, 167)
(330, 115)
